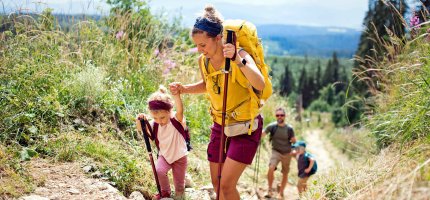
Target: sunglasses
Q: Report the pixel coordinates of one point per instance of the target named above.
(216, 88)
(280, 115)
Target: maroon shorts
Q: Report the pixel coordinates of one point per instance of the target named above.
(241, 148)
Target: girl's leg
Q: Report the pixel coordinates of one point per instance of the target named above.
(179, 168)
(214, 176)
(229, 178)
(162, 168)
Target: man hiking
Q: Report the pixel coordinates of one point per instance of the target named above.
(281, 136)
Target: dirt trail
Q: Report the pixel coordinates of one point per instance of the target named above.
(68, 180)
(325, 153)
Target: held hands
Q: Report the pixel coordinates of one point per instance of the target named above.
(307, 170)
(176, 88)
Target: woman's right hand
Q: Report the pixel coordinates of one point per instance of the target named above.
(176, 88)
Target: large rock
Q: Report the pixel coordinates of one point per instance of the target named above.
(136, 195)
(33, 197)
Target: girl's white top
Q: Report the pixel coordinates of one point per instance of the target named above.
(171, 143)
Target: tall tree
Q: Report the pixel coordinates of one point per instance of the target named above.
(318, 77)
(382, 15)
(286, 82)
(326, 79)
(302, 80)
(335, 68)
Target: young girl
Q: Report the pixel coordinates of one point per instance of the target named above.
(172, 147)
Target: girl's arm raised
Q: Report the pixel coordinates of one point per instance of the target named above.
(179, 107)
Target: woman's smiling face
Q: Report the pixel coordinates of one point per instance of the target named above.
(206, 45)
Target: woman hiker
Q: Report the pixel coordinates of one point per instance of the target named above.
(240, 150)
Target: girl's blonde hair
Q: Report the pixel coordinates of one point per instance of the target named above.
(161, 95)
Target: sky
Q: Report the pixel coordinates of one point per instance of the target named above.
(334, 13)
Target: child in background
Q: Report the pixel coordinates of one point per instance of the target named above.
(306, 163)
(171, 144)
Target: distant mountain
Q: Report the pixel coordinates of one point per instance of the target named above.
(307, 40)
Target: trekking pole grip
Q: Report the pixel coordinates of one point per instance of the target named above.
(229, 40)
(145, 135)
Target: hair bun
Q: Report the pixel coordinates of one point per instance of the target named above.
(210, 9)
(162, 89)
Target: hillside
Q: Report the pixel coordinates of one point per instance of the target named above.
(311, 41)
(69, 100)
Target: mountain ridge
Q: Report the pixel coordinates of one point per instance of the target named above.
(300, 40)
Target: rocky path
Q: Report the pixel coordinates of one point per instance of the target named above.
(71, 181)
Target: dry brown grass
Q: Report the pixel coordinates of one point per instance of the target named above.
(395, 173)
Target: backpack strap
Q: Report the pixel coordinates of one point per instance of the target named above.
(152, 136)
(273, 131)
(178, 126)
(155, 135)
(184, 132)
(207, 65)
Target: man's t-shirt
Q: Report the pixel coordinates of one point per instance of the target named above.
(281, 137)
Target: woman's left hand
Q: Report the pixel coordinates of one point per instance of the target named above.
(229, 50)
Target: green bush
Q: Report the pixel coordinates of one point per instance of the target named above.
(320, 106)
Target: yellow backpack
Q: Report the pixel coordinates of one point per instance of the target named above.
(247, 38)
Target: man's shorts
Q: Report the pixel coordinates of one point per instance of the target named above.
(241, 148)
(283, 158)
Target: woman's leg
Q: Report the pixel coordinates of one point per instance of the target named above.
(163, 168)
(229, 178)
(179, 168)
(214, 177)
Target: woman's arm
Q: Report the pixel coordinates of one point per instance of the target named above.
(250, 70)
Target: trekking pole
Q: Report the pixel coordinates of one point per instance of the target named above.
(224, 106)
(148, 148)
(257, 166)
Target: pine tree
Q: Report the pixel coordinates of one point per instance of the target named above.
(381, 15)
(335, 68)
(302, 80)
(318, 76)
(286, 82)
(326, 79)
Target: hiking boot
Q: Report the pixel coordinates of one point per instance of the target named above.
(280, 197)
(162, 195)
(268, 195)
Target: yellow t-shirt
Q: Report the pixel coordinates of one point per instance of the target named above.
(240, 105)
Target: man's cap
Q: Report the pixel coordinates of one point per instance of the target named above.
(299, 143)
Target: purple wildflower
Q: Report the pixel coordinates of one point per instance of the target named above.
(415, 21)
(169, 64)
(166, 71)
(119, 35)
(156, 52)
(192, 50)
